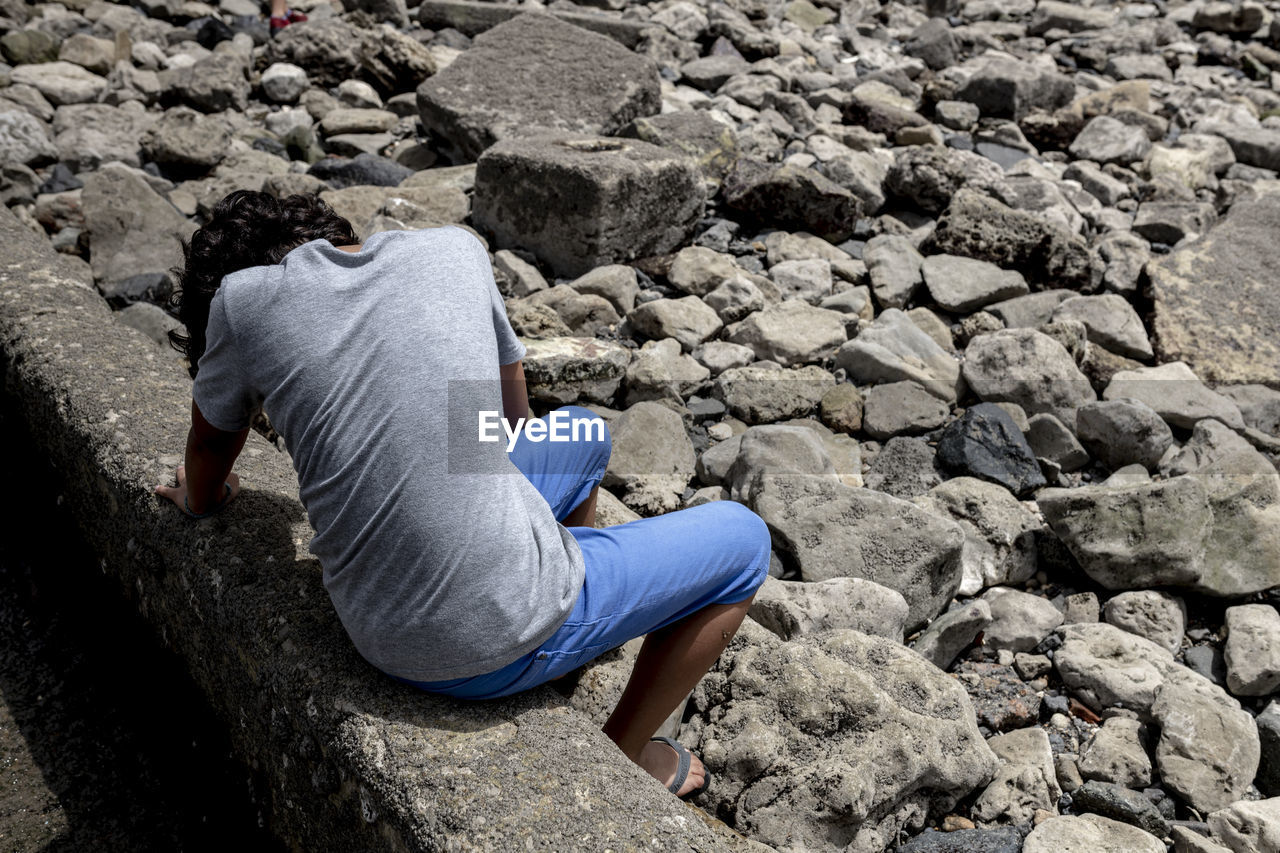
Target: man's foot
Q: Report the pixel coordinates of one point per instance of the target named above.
(662, 763)
(279, 22)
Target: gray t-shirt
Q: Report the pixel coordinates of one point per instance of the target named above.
(442, 560)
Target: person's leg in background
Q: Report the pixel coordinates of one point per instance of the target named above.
(282, 16)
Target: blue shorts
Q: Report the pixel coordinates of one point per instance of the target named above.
(640, 576)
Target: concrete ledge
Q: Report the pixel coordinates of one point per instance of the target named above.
(355, 761)
(471, 18)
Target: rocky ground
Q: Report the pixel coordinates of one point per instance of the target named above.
(973, 303)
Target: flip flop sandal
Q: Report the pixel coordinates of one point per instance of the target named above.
(682, 772)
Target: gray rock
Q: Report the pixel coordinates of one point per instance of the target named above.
(1223, 17)
(929, 175)
(1123, 431)
(985, 443)
(1170, 222)
(652, 459)
(88, 135)
(1025, 781)
(1209, 442)
(977, 226)
(1242, 551)
(1004, 87)
(933, 43)
(1108, 140)
(283, 82)
(942, 641)
(1176, 393)
(710, 72)
(348, 120)
(689, 320)
(615, 282)
(1208, 749)
(905, 468)
(1029, 368)
(213, 84)
(1089, 833)
(710, 142)
(831, 530)
(1081, 607)
(1030, 311)
(759, 395)
(719, 356)
(738, 298)
(1054, 15)
(841, 408)
(791, 609)
(809, 279)
(791, 332)
(1050, 439)
(24, 139)
(1105, 188)
(1019, 620)
(568, 370)
(188, 139)
(26, 46)
(1110, 322)
(999, 545)
(1259, 406)
(772, 450)
(661, 370)
(1252, 650)
(794, 773)
(1246, 826)
(894, 267)
(1156, 616)
(1253, 146)
(901, 408)
(1115, 754)
(1005, 839)
(956, 115)
(893, 349)
(1133, 537)
(535, 73)
(1212, 306)
(579, 201)
(791, 196)
(152, 320)
(60, 82)
(132, 230)
(697, 270)
(1268, 721)
(1119, 803)
(516, 276)
(1105, 666)
(1207, 661)
(962, 285)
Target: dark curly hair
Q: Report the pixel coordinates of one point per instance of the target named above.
(247, 229)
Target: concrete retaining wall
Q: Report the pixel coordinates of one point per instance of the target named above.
(355, 761)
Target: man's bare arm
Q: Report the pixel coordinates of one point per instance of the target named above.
(203, 480)
(515, 393)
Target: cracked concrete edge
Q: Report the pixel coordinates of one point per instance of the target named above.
(353, 759)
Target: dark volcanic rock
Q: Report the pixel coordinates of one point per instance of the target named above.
(978, 226)
(1003, 701)
(985, 442)
(533, 74)
(792, 196)
(1006, 839)
(361, 170)
(1119, 803)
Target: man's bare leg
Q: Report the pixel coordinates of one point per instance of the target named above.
(584, 514)
(670, 664)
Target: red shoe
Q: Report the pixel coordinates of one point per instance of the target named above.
(279, 22)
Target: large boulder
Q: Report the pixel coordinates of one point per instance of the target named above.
(61, 82)
(836, 743)
(218, 82)
(929, 175)
(24, 139)
(762, 393)
(791, 608)
(88, 135)
(1214, 300)
(831, 530)
(333, 50)
(1005, 87)
(532, 74)
(791, 332)
(581, 201)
